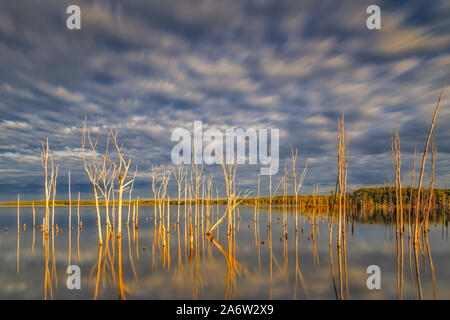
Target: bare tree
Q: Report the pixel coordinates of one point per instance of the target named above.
(424, 157)
(180, 175)
(122, 166)
(94, 169)
(397, 160)
(129, 195)
(50, 181)
(154, 184)
(107, 176)
(342, 175)
(233, 198)
(297, 181)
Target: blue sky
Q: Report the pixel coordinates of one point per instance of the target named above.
(148, 67)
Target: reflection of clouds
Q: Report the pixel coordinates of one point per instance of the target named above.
(367, 246)
(17, 288)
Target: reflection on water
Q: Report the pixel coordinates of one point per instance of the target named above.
(162, 259)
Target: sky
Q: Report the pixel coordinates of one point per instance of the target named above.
(148, 67)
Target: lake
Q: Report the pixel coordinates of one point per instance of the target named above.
(253, 262)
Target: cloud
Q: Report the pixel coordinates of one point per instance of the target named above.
(61, 93)
(14, 124)
(149, 67)
(397, 38)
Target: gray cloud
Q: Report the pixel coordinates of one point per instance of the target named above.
(147, 67)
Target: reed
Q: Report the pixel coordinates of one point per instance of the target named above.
(18, 213)
(209, 185)
(78, 211)
(54, 196)
(107, 176)
(256, 218)
(424, 157)
(34, 215)
(137, 212)
(154, 190)
(49, 181)
(180, 175)
(297, 181)
(129, 196)
(430, 196)
(342, 154)
(413, 170)
(70, 205)
(397, 160)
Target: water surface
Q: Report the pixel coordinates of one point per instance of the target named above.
(254, 262)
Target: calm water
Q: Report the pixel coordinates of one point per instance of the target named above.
(255, 262)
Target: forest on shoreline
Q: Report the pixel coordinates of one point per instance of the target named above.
(369, 197)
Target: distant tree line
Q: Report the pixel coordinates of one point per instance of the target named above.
(367, 197)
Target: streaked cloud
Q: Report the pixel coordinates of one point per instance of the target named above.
(147, 67)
